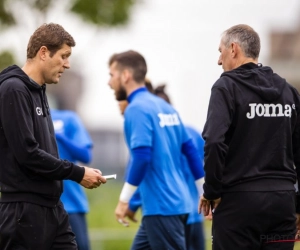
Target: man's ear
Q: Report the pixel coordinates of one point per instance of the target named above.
(234, 47)
(126, 75)
(43, 51)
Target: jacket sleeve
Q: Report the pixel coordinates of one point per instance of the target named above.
(18, 128)
(296, 153)
(219, 117)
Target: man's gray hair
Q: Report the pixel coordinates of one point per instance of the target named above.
(246, 37)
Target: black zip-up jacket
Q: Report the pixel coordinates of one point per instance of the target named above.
(30, 170)
(251, 133)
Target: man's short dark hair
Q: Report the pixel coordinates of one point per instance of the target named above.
(51, 35)
(133, 61)
(160, 91)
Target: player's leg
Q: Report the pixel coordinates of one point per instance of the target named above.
(64, 238)
(79, 227)
(141, 241)
(166, 232)
(194, 235)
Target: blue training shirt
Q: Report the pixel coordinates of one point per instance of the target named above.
(69, 124)
(152, 122)
(194, 216)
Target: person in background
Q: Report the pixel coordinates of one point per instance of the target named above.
(195, 238)
(31, 213)
(156, 141)
(194, 232)
(75, 145)
(252, 150)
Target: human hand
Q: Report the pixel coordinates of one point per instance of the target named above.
(131, 215)
(209, 216)
(120, 213)
(92, 178)
(205, 206)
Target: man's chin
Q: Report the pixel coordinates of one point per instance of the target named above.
(120, 98)
(53, 81)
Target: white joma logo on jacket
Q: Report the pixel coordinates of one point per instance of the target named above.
(168, 119)
(269, 110)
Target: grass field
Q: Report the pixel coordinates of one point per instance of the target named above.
(105, 233)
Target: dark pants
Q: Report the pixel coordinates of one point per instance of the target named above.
(255, 221)
(79, 227)
(161, 232)
(26, 226)
(194, 235)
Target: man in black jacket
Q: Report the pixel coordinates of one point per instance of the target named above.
(31, 214)
(251, 147)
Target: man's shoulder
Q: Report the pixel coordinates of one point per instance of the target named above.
(11, 85)
(224, 81)
(13, 82)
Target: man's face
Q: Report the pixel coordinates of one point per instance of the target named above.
(225, 58)
(115, 82)
(57, 64)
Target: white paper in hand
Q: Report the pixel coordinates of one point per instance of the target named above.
(109, 177)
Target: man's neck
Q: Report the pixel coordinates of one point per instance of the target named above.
(245, 60)
(31, 70)
(133, 87)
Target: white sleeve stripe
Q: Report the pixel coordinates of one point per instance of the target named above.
(127, 192)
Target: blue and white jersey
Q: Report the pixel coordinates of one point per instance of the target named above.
(152, 122)
(194, 216)
(68, 123)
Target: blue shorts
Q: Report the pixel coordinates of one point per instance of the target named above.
(194, 234)
(161, 232)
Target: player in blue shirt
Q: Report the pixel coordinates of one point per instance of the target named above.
(156, 139)
(195, 239)
(194, 227)
(74, 144)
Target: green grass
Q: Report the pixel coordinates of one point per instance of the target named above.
(105, 232)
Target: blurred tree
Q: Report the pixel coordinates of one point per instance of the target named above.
(6, 18)
(6, 59)
(103, 12)
(98, 12)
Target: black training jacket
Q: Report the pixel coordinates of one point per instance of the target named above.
(251, 133)
(30, 170)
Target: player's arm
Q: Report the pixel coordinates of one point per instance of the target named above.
(195, 163)
(140, 162)
(141, 159)
(82, 153)
(134, 204)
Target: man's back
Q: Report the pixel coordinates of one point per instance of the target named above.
(260, 118)
(152, 122)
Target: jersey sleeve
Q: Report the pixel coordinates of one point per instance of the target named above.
(138, 128)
